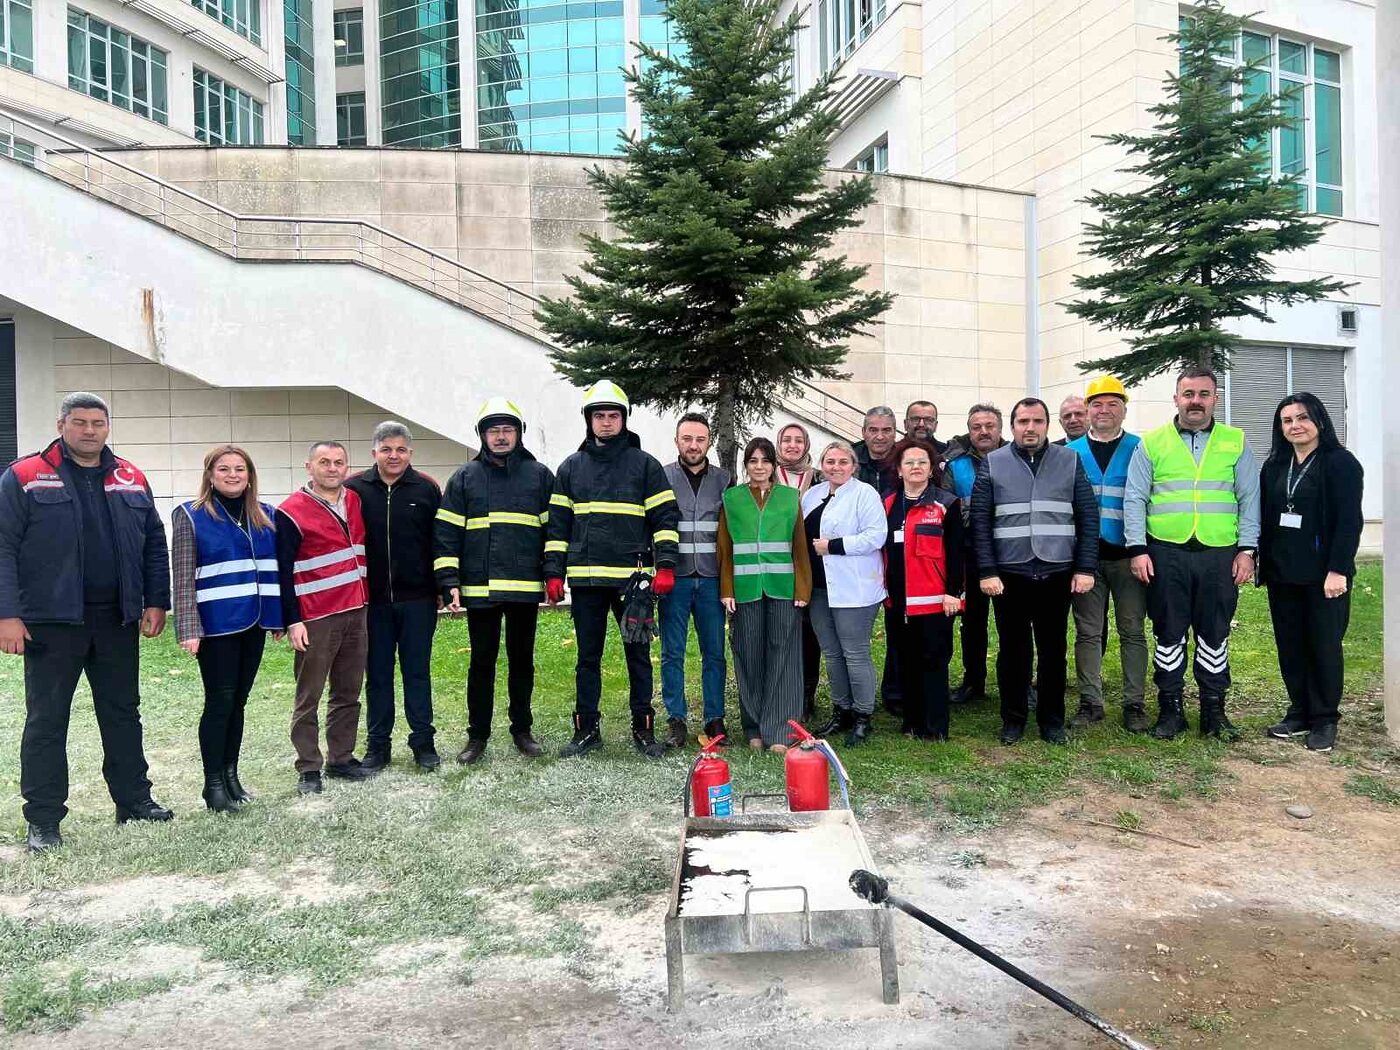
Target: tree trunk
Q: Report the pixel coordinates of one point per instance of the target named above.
(726, 436)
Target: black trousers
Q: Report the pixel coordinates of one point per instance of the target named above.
(592, 608)
(228, 664)
(1191, 590)
(925, 646)
(811, 660)
(404, 629)
(973, 632)
(107, 651)
(891, 684)
(484, 632)
(1032, 618)
(1308, 630)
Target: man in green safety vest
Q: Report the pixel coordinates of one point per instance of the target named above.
(1191, 522)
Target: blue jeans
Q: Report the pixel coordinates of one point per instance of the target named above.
(698, 596)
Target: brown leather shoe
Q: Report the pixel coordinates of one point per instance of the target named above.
(472, 752)
(527, 745)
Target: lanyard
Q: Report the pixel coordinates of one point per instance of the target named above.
(1291, 486)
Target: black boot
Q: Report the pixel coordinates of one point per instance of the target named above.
(587, 737)
(1171, 719)
(861, 731)
(968, 693)
(1135, 718)
(236, 791)
(842, 719)
(42, 838)
(1213, 720)
(216, 795)
(643, 739)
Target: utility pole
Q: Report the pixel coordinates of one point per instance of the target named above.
(1388, 70)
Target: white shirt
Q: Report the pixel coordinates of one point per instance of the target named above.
(856, 516)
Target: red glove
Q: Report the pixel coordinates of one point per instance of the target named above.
(554, 590)
(665, 582)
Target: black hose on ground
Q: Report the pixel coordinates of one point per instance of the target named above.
(877, 891)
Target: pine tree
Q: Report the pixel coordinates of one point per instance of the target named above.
(720, 290)
(1193, 247)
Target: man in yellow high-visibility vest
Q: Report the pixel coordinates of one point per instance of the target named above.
(1191, 521)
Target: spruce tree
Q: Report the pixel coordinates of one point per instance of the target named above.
(1193, 247)
(720, 290)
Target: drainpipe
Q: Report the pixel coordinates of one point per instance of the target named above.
(1032, 235)
(1388, 72)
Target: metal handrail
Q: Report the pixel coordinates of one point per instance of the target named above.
(461, 285)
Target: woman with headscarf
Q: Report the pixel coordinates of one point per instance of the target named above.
(795, 470)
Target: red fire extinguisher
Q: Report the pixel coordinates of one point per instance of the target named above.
(710, 791)
(807, 766)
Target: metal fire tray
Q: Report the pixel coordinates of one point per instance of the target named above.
(772, 882)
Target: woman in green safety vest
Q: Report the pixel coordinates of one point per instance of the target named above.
(765, 579)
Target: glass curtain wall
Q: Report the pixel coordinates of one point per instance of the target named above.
(420, 74)
(301, 73)
(549, 75)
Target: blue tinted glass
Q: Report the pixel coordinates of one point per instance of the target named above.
(583, 59)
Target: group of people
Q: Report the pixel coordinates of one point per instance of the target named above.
(800, 557)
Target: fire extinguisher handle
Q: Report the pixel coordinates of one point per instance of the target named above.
(799, 732)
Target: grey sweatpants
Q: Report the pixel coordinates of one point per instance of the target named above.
(844, 635)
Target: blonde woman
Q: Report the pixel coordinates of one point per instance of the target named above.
(226, 598)
(845, 523)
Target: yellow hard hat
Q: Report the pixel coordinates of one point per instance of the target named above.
(605, 394)
(497, 410)
(1106, 385)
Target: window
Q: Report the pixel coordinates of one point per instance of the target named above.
(301, 73)
(244, 17)
(223, 115)
(116, 67)
(876, 159)
(350, 37)
(1262, 376)
(420, 73)
(1308, 80)
(842, 25)
(350, 119)
(17, 34)
(20, 150)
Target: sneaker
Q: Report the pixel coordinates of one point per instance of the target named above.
(1011, 733)
(309, 783)
(1086, 716)
(1055, 735)
(1287, 729)
(42, 838)
(1322, 737)
(675, 733)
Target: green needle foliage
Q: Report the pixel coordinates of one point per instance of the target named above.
(1193, 247)
(720, 290)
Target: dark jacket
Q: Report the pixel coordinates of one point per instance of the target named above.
(1086, 522)
(398, 534)
(612, 509)
(490, 532)
(882, 477)
(1338, 534)
(42, 534)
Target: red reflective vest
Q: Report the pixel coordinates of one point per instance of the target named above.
(925, 560)
(329, 573)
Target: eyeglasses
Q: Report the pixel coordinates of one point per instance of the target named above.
(921, 419)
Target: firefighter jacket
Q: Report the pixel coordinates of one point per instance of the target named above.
(42, 535)
(929, 539)
(488, 540)
(612, 511)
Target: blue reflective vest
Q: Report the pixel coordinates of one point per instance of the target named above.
(1110, 486)
(235, 573)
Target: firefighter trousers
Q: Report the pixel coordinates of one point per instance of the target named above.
(1192, 591)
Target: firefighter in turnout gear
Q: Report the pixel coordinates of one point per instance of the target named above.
(613, 512)
(1191, 522)
(489, 559)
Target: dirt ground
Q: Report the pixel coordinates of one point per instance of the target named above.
(1275, 932)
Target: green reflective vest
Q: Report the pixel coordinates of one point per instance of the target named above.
(762, 541)
(1189, 499)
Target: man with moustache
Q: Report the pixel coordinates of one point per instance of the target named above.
(489, 559)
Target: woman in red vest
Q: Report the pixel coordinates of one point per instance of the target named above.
(924, 577)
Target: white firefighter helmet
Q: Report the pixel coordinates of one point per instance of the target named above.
(605, 394)
(496, 411)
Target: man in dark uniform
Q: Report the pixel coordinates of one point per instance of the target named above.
(83, 575)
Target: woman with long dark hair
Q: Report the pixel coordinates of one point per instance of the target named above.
(226, 598)
(1310, 489)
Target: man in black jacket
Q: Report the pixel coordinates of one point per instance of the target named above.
(489, 547)
(83, 575)
(399, 505)
(1035, 527)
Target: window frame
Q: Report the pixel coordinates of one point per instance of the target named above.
(345, 104)
(10, 53)
(341, 21)
(246, 111)
(843, 25)
(874, 159)
(139, 54)
(244, 17)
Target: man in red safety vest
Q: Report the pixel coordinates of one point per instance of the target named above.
(321, 566)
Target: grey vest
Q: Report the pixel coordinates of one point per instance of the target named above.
(699, 524)
(1034, 513)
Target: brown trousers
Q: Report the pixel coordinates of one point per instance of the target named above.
(336, 649)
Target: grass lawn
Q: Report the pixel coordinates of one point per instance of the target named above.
(409, 861)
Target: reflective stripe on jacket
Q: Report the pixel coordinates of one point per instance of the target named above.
(698, 523)
(1190, 500)
(328, 575)
(235, 576)
(762, 536)
(1033, 511)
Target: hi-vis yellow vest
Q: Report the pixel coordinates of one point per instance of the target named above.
(1190, 500)
(762, 541)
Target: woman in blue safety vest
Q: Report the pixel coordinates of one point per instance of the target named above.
(226, 597)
